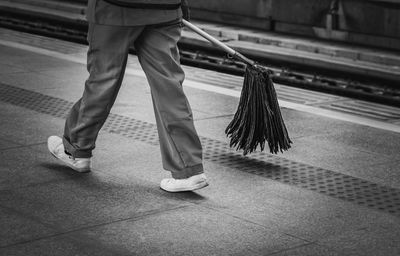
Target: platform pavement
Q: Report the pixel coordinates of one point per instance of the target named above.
(118, 208)
(311, 52)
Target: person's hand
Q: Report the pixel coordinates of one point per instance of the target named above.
(185, 10)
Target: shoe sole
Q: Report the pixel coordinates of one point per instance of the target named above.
(200, 185)
(84, 170)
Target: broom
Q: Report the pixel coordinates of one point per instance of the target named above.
(258, 117)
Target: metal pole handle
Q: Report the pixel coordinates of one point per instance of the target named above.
(218, 43)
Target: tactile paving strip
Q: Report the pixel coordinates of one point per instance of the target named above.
(309, 177)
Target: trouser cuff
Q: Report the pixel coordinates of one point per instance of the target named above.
(75, 153)
(188, 172)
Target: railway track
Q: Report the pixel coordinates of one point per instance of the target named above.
(208, 57)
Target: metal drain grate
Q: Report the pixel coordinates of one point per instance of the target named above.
(320, 180)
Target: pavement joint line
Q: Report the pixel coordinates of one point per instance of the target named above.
(31, 218)
(251, 222)
(66, 233)
(323, 181)
(21, 145)
(10, 148)
(224, 91)
(75, 176)
(201, 205)
(33, 185)
(297, 247)
(16, 73)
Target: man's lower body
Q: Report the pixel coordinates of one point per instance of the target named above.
(157, 51)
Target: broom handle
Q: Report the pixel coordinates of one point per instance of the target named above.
(218, 43)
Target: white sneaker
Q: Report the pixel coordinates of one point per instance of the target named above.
(189, 184)
(56, 148)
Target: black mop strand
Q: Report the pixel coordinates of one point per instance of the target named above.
(258, 117)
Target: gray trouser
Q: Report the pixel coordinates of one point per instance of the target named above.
(158, 55)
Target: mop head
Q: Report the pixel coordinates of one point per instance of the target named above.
(258, 117)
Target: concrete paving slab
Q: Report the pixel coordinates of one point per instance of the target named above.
(309, 250)
(27, 166)
(302, 124)
(365, 242)
(221, 104)
(190, 231)
(366, 139)
(6, 144)
(298, 212)
(316, 226)
(32, 61)
(9, 69)
(137, 160)
(16, 228)
(387, 174)
(214, 127)
(333, 155)
(59, 246)
(75, 73)
(68, 88)
(90, 199)
(27, 127)
(295, 211)
(10, 56)
(37, 82)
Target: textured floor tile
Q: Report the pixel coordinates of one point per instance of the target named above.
(136, 160)
(214, 127)
(365, 242)
(302, 124)
(9, 69)
(309, 250)
(26, 127)
(59, 246)
(69, 88)
(189, 231)
(367, 139)
(16, 228)
(386, 174)
(6, 144)
(295, 211)
(332, 155)
(28, 60)
(88, 199)
(221, 104)
(27, 166)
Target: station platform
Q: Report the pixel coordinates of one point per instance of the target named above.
(354, 60)
(336, 192)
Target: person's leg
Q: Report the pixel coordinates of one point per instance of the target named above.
(106, 62)
(180, 145)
